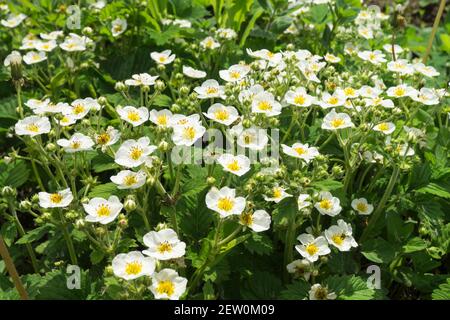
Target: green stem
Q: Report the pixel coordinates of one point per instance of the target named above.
(377, 213)
(68, 239)
(434, 30)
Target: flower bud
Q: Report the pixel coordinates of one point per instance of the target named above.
(8, 192)
(161, 226)
(130, 204)
(210, 181)
(175, 108)
(160, 85)
(25, 205)
(35, 198)
(163, 146)
(87, 31)
(50, 147)
(161, 67)
(120, 86)
(102, 100)
(109, 271)
(80, 223)
(145, 88)
(184, 91)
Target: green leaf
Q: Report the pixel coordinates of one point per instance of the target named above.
(105, 190)
(9, 232)
(103, 162)
(443, 292)
(415, 244)
(378, 250)
(34, 234)
(261, 285)
(14, 174)
(259, 243)
(8, 108)
(352, 288)
(96, 256)
(162, 100)
(438, 189)
(299, 290)
(286, 209)
(327, 185)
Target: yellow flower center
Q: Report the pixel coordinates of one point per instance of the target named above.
(162, 120)
(117, 28)
(221, 115)
(166, 287)
(56, 198)
(270, 54)
(377, 100)
(349, 91)
(103, 138)
(312, 249)
(372, 56)
(336, 123)
(78, 109)
(300, 99)
(235, 75)
(164, 247)
(300, 151)
(33, 127)
(277, 193)
(383, 126)
(133, 268)
(189, 133)
(162, 59)
(338, 238)
(321, 294)
(248, 139)
(225, 204)
(103, 210)
(246, 219)
(212, 90)
(136, 153)
(129, 180)
(361, 207)
(399, 92)
(326, 204)
(233, 165)
(75, 144)
(264, 105)
(133, 116)
(333, 100)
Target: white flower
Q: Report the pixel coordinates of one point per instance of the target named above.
(365, 32)
(328, 204)
(29, 43)
(78, 109)
(222, 114)
(132, 265)
(193, 73)
(132, 153)
(248, 94)
(385, 127)
(299, 97)
(32, 57)
(376, 57)
(135, 116)
(301, 151)
(102, 210)
(402, 90)
(401, 66)
(317, 292)
(187, 134)
(334, 121)
(258, 221)
(278, 194)
(118, 26)
(37, 104)
(107, 138)
(273, 58)
(348, 92)
(302, 201)
(369, 92)
(405, 150)
(311, 248)
(164, 245)
(331, 58)
(78, 142)
(335, 100)
(164, 57)
(209, 43)
(378, 101)
(226, 33)
(32, 126)
(210, 89)
(253, 138)
(234, 73)
(238, 165)
(427, 71)
(13, 57)
(74, 42)
(127, 179)
(161, 118)
(52, 35)
(300, 267)
(166, 284)
(340, 236)
(59, 199)
(225, 202)
(264, 102)
(67, 120)
(362, 206)
(181, 120)
(426, 96)
(13, 20)
(388, 48)
(46, 46)
(90, 103)
(182, 23)
(141, 79)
